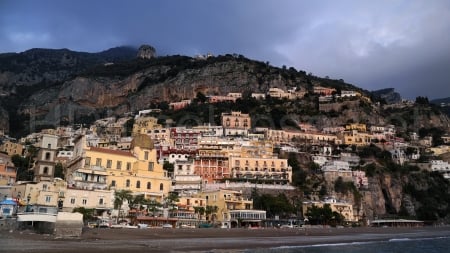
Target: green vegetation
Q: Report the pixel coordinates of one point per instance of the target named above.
(88, 213)
(274, 205)
(433, 193)
(323, 215)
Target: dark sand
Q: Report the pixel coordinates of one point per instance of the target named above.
(201, 240)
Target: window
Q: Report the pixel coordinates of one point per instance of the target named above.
(150, 166)
(44, 187)
(161, 187)
(113, 183)
(47, 155)
(128, 166)
(100, 201)
(146, 155)
(45, 170)
(138, 184)
(87, 161)
(98, 162)
(127, 184)
(84, 202)
(119, 165)
(72, 201)
(149, 185)
(108, 164)
(48, 199)
(49, 146)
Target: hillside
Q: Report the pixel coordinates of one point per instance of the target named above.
(45, 87)
(51, 87)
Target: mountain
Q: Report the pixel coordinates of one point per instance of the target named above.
(388, 95)
(444, 103)
(47, 87)
(40, 70)
(441, 101)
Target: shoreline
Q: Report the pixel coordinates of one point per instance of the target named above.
(206, 239)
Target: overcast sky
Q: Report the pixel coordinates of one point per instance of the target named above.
(373, 44)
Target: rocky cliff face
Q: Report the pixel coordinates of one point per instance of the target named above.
(4, 120)
(146, 52)
(155, 83)
(389, 95)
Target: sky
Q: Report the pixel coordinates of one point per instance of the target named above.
(401, 44)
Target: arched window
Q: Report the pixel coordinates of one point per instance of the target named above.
(149, 185)
(161, 187)
(47, 156)
(127, 184)
(138, 184)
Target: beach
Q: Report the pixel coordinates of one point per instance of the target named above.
(204, 240)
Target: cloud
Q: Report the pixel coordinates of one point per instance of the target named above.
(372, 44)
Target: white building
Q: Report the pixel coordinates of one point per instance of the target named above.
(441, 167)
(186, 181)
(336, 166)
(44, 168)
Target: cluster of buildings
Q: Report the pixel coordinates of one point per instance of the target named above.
(206, 166)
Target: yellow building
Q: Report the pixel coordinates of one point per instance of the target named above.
(42, 194)
(143, 125)
(137, 171)
(343, 208)
(7, 173)
(256, 161)
(12, 148)
(225, 201)
(356, 126)
(353, 137)
(102, 201)
(236, 120)
(188, 213)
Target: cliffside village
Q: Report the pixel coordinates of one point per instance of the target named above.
(215, 167)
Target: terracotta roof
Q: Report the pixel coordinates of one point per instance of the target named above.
(111, 151)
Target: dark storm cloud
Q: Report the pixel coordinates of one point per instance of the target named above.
(372, 44)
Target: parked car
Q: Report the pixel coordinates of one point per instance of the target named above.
(167, 225)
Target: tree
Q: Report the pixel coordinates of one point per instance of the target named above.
(168, 166)
(200, 210)
(88, 213)
(210, 212)
(59, 171)
(319, 215)
(171, 201)
(153, 205)
(22, 164)
(119, 198)
(137, 201)
(201, 98)
(129, 127)
(422, 100)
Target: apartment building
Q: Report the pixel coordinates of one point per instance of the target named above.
(137, 171)
(225, 201)
(12, 148)
(236, 123)
(144, 125)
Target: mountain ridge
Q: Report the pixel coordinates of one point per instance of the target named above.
(55, 85)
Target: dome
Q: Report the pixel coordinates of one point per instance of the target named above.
(143, 141)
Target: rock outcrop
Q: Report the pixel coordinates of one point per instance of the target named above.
(146, 52)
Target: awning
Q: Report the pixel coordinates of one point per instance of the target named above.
(8, 202)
